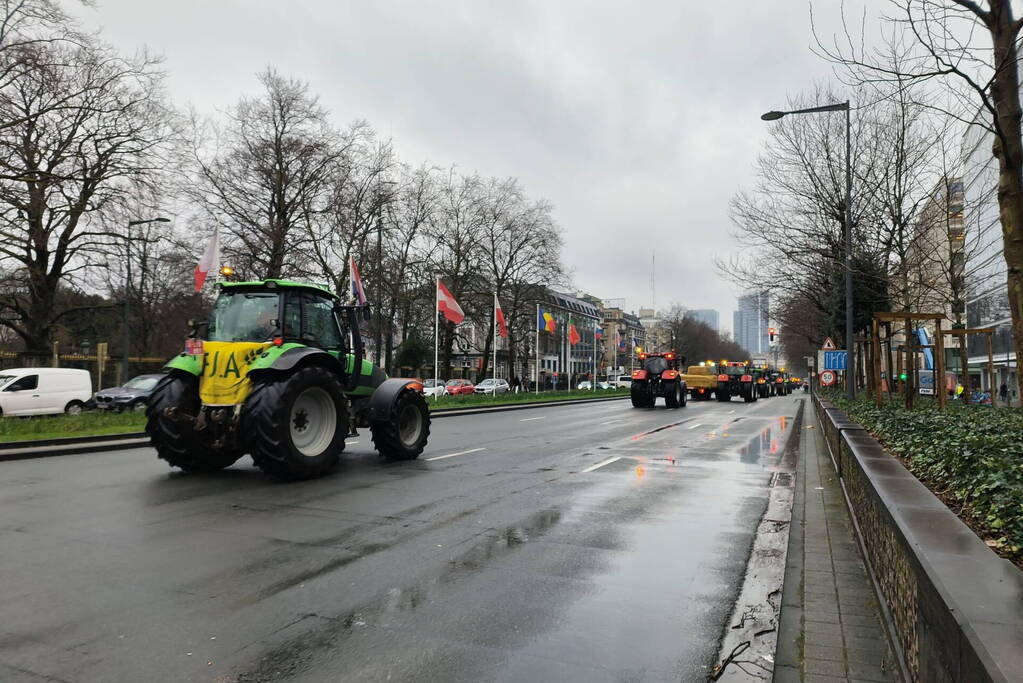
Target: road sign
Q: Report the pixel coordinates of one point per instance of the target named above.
(828, 345)
(828, 378)
(834, 360)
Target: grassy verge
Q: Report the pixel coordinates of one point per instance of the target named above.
(99, 423)
(971, 456)
(484, 400)
(57, 426)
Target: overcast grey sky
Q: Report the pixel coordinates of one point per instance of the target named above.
(638, 121)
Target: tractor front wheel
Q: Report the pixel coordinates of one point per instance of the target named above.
(174, 439)
(294, 425)
(403, 435)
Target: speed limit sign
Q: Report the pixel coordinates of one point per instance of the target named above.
(828, 378)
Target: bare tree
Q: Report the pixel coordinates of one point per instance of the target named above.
(266, 179)
(973, 53)
(60, 166)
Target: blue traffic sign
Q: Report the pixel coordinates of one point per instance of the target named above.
(834, 360)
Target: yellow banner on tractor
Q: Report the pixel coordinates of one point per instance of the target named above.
(224, 380)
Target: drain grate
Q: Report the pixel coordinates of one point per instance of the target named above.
(782, 479)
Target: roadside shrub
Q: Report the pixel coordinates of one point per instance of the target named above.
(971, 455)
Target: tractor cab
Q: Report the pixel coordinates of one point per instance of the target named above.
(735, 378)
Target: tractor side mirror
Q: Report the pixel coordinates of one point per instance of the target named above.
(199, 328)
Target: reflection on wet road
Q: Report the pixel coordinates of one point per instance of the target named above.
(600, 543)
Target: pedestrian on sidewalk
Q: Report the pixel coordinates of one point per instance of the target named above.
(1003, 393)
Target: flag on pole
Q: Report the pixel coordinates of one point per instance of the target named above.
(209, 262)
(573, 335)
(545, 321)
(502, 324)
(447, 305)
(358, 292)
(598, 332)
(620, 341)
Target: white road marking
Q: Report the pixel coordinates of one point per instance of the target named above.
(351, 443)
(613, 421)
(601, 464)
(730, 412)
(451, 455)
(528, 419)
(694, 426)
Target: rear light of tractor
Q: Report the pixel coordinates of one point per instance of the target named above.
(722, 378)
(278, 341)
(747, 378)
(639, 374)
(669, 374)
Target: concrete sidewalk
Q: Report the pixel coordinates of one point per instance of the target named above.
(831, 628)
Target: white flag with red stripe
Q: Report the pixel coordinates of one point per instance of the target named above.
(502, 324)
(447, 305)
(209, 262)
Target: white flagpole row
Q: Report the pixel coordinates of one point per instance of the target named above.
(495, 344)
(536, 367)
(436, 335)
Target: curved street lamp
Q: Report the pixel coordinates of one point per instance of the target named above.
(850, 372)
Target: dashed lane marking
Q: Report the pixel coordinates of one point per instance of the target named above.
(351, 443)
(601, 464)
(698, 424)
(451, 455)
(530, 419)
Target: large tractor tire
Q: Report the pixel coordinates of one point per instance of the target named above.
(403, 435)
(722, 393)
(175, 440)
(675, 397)
(294, 424)
(639, 397)
(748, 395)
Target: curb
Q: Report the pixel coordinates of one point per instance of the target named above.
(72, 445)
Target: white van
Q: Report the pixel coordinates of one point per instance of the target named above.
(624, 381)
(44, 391)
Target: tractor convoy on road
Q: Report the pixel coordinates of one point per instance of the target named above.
(723, 380)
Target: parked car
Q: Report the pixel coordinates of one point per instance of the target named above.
(623, 382)
(433, 388)
(458, 387)
(493, 386)
(134, 395)
(44, 391)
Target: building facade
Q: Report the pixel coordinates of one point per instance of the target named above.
(750, 322)
(987, 297)
(623, 332)
(708, 316)
(558, 362)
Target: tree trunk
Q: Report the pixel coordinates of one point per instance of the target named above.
(1008, 149)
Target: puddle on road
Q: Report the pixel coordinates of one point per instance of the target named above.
(767, 448)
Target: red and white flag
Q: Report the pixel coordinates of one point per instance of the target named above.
(447, 305)
(502, 324)
(358, 292)
(209, 263)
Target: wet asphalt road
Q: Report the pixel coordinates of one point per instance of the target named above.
(517, 561)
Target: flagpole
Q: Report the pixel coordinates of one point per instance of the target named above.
(536, 367)
(593, 373)
(495, 344)
(436, 335)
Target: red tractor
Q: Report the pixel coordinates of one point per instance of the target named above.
(661, 375)
(735, 379)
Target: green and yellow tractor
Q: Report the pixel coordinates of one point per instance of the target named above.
(278, 372)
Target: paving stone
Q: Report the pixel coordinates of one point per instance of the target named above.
(867, 672)
(810, 627)
(871, 656)
(815, 678)
(787, 674)
(870, 644)
(821, 666)
(860, 620)
(824, 639)
(813, 650)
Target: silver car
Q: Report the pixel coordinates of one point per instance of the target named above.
(493, 386)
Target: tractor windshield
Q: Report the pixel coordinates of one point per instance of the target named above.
(655, 365)
(240, 316)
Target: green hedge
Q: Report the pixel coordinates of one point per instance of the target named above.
(971, 455)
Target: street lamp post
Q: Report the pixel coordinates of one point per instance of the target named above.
(850, 371)
(127, 292)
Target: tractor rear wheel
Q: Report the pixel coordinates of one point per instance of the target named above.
(639, 397)
(672, 397)
(175, 440)
(403, 435)
(294, 424)
(722, 393)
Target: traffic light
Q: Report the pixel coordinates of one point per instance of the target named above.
(902, 377)
(770, 333)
